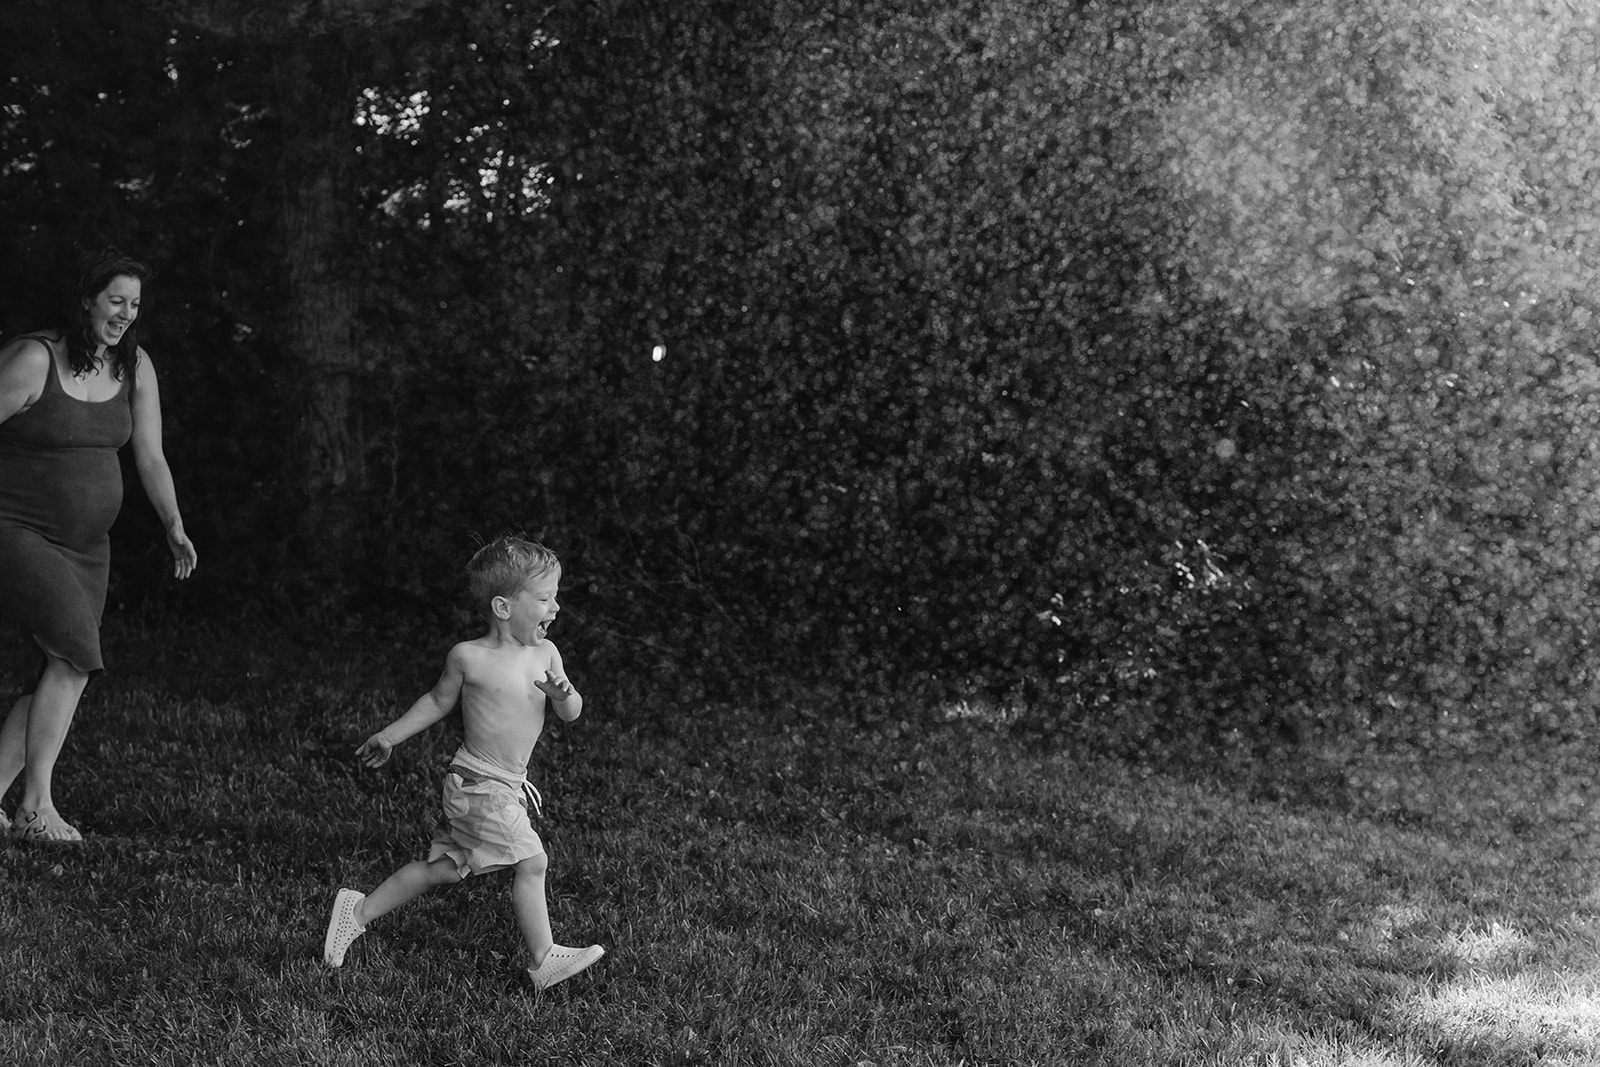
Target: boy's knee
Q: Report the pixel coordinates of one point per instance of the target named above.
(534, 866)
(445, 871)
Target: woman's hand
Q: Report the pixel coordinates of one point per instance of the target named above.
(184, 558)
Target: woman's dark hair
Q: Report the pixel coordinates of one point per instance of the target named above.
(95, 271)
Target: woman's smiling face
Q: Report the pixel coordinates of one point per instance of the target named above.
(113, 309)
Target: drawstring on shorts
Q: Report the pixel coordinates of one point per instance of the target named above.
(530, 795)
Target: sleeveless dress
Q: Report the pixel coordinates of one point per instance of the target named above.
(60, 491)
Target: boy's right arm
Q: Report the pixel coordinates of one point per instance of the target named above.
(432, 706)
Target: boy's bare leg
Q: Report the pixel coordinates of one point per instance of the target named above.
(552, 963)
(530, 907)
(406, 885)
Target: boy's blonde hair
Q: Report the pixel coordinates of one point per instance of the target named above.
(503, 567)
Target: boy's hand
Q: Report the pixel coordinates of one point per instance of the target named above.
(555, 685)
(375, 751)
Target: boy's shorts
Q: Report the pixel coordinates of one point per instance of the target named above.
(486, 826)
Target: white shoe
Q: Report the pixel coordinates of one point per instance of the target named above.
(561, 963)
(342, 927)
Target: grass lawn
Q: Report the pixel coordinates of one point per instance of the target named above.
(777, 888)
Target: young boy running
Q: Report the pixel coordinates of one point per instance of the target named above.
(503, 681)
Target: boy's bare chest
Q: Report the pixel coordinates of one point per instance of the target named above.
(507, 682)
(504, 696)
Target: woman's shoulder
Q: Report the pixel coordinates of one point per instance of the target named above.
(40, 340)
(52, 337)
(26, 365)
(28, 353)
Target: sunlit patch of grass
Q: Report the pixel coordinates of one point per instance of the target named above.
(1527, 1017)
(1498, 947)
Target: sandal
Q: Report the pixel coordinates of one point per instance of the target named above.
(44, 826)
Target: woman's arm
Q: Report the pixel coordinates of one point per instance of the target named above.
(150, 459)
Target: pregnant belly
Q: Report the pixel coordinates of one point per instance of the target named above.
(70, 496)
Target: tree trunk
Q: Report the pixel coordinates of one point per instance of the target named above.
(321, 288)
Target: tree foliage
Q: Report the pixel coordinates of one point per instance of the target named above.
(1198, 356)
(1202, 371)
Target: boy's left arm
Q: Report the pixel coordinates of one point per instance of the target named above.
(564, 696)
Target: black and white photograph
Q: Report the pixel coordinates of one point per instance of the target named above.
(800, 533)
